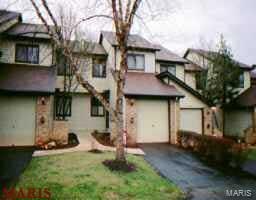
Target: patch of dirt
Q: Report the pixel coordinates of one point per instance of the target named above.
(105, 139)
(123, 166)
(95, 151)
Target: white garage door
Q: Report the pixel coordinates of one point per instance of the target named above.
(191, 120)
(81, 119)
(152, 121)
(17, 120)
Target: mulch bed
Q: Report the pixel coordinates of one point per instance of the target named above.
(103, 138)
(72, 142)
(123, 166)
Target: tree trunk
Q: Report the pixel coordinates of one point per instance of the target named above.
(120, 153)
(120, 146)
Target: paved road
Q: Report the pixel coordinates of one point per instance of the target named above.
(12, 163)
(199, 181)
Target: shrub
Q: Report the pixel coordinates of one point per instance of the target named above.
(214, 149)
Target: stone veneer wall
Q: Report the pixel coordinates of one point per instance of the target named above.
(174, 117)
(207, 121)
(131, 122)
(43, 119)
(60, 132)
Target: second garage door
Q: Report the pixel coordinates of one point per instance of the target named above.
(152, 121)
(191, 120)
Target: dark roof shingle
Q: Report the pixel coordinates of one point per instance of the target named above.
(247, 98)
(27, 78)
(167, 55)
(29, 30)
(89, 47)
(6, 15)
(147, 84)
(207, 54)
(134, 41)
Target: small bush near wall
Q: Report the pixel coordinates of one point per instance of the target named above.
(213, 149)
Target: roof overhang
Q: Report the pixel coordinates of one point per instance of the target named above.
(183, 85)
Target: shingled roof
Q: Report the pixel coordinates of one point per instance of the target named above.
(6, 16)
(88, 47)
(247, 98)
(167, 55)
(148, 85)
(29, 30)
(27, 78)
(208, 54)
(134, 41)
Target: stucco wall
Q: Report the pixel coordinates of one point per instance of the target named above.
(189, 101)
(8, 49)
(81, 119)
(101, 84)
(190, 79)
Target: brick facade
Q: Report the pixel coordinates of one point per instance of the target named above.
(131, 122)
(207, 121)
(174, 120)
(43, 119)
(60, 132)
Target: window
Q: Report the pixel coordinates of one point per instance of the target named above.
(27, 53)
(97, 109)
(241, 81)
(63, 104)
(136, 61)
(169, 68)
(99, 68)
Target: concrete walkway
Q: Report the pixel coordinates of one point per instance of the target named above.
(87, 142)
(199, 181)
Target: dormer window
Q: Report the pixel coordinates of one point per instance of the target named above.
(171, 68)
(136, 61)
(26, 53)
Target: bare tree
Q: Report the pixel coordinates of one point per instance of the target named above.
(123, 13)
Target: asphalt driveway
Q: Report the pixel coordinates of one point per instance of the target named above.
(199, 181)
(12, 163)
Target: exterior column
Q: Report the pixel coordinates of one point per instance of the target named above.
(174, 120)
(43, 121)
(131, 122)
(207, 121)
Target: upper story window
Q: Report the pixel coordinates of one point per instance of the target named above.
(171, 68)
(99, 68)
(241, 81)
(27, 53)
(136, 61)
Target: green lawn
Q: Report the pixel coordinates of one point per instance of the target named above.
(82, 175)
(251, 154)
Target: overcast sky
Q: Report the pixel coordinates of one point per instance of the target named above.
(188, 24)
